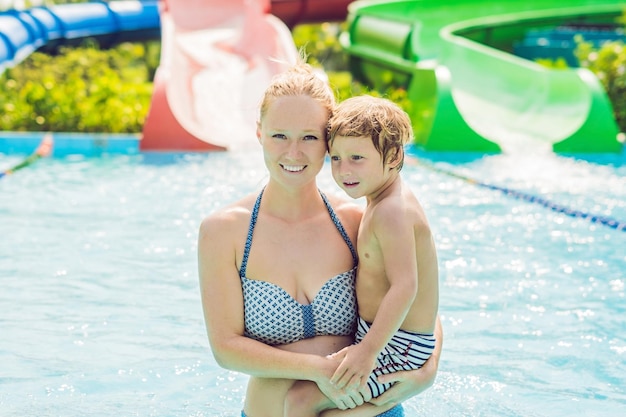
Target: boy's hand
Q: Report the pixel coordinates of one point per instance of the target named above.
(355, 368)
(343, 398)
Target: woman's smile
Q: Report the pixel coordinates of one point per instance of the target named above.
(293, 168)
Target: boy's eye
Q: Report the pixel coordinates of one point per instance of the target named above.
(334, 158)
(279, 136)
(310, 137)
(356, 157)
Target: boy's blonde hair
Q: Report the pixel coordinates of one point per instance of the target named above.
(299, 80)
(380, 119)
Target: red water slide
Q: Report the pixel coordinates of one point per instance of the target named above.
(217, 57)
(293, 12)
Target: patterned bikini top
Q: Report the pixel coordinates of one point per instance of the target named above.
(274, 317)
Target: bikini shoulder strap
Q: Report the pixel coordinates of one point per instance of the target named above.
(341, 229)
(246, 250)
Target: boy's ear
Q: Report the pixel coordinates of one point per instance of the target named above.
(395, 160)
(258, 131)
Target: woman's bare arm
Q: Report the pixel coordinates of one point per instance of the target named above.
(222, 302)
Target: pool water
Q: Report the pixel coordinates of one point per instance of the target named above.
(100, 311)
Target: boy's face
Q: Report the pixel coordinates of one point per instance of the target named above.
(357, 166)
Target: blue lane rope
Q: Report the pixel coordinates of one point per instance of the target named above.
(558, 208)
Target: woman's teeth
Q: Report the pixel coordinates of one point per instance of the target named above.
(293, 168)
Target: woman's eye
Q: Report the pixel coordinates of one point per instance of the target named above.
(334, 158)
(279, 136)
(356, 157)
(310, 137)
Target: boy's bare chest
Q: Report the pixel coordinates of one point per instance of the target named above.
(368, 248)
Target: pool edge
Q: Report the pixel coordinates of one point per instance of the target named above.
(87, 144)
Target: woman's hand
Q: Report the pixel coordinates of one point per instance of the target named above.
(407, 384)
(343, 397)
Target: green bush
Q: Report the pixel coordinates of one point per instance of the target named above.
(608, 63)
(320, 43)
(81, 89)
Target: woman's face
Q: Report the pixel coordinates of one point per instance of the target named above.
(292, 133)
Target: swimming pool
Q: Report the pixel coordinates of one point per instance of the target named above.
(100, 312)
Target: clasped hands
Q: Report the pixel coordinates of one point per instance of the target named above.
(347, 387)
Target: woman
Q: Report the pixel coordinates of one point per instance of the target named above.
(277, 269)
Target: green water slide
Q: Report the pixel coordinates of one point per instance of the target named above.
(467, 91)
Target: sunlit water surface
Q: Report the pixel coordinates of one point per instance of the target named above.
(100, 312)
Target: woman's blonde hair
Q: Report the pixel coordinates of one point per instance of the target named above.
(299, 80)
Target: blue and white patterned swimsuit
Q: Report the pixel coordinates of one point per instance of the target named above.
(274, 317)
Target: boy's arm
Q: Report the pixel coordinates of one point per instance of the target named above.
(396, 239)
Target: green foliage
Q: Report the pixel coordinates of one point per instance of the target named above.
(82, 89)
(320, 43)
(27, 4)
(608, 63)
(559, 63)
(345, 87)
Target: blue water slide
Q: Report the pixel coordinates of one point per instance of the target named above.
(24, 31)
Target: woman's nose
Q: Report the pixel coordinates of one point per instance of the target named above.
(294, 148)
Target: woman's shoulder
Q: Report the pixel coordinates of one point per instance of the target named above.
(348, 211)
(229, 218)
(341, 203)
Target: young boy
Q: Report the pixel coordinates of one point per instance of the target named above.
(397, 277)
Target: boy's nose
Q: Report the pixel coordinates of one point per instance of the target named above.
(343, 169)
